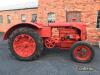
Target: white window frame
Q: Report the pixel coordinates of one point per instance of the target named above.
(23, 17)
(9, 18)
(1, 19)
(51, 17)
(34, 19)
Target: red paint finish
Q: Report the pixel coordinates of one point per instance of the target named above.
(24, 45)
(57, 34)
(82, 53)
(45, 32)
(49, 43)
(62, 37)
(30, 25)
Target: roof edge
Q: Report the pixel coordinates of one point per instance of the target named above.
(18, 9)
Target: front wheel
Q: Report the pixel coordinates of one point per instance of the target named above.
(25, 44)
(82, 52)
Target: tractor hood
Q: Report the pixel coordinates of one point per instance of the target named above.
(79, 25)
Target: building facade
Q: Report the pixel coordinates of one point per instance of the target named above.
(87, 11)
(8, 18)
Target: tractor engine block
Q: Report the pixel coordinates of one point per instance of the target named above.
(68, 34)
(62, 37)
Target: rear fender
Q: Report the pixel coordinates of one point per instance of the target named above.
(30, 25)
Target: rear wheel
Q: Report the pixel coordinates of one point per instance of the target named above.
(25, 44)
(82, 52)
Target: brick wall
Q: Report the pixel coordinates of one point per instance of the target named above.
(46, 6)
(88, 9)
(15, 17)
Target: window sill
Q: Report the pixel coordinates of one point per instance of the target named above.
(98, 29)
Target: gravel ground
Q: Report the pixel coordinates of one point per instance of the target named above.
(53, 62)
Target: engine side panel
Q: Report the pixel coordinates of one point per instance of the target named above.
(68, 37)
(62, 37)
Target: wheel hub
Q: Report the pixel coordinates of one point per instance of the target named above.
(24, 45)
(49, 43)
(82, 53)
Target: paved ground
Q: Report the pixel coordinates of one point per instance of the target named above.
(54, 62)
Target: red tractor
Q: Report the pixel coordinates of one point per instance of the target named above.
(27, 40)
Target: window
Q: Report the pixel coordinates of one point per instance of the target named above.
(9, 18)
(34, 17)
(23, 18)
(98, 20)
(1, 19)
(51, 17)
(74, 14)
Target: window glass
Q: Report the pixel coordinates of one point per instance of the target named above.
(1, 19)
(23, 18)
(9, 18)
(74, 14)
(98, 19)
(51, 17)
(34, 17)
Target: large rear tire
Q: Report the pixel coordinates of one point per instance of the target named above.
(25, 44)
(82, 52)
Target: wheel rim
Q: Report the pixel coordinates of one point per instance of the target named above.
(82, 53)
(49, 43)
(24, 45)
